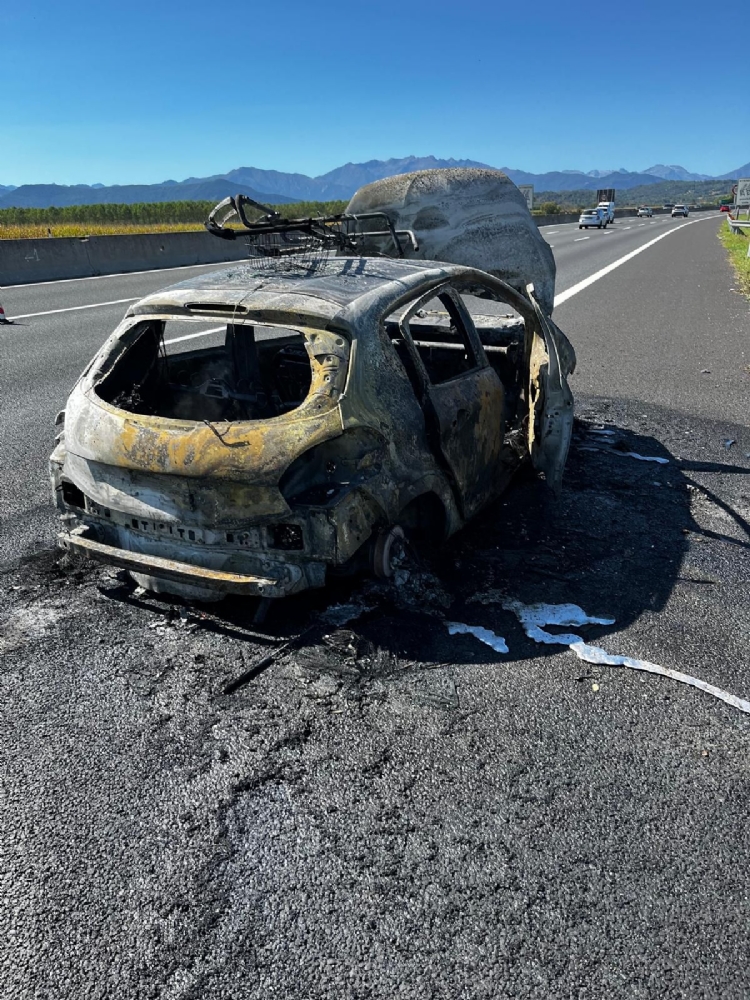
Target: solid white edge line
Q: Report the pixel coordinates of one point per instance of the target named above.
(192, 336)
(575, 289)
(120, 274)
(93, 305)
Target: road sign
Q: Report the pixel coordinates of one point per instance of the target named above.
(743, 193)
(527, 190)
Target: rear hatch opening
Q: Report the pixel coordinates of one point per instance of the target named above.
(240, 372)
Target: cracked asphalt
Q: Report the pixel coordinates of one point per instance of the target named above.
(388, 810)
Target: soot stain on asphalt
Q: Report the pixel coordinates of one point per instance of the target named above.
(613, 543)
(357, 784)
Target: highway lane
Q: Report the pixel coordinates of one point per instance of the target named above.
(579, 253)
(46, 296)
(20, 300)
(44, 354)
(391, 810)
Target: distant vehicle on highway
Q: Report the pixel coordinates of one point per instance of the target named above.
(725, 208)
(680, 210)
(608, 207)
(667, 205)
(592, 217)
(644, 212)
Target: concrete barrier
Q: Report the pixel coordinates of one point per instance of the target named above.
(43, 260)
(28, 261)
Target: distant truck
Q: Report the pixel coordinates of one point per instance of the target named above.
(606, 202)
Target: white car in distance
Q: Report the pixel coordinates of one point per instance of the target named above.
(680, 210)
(608, 207)
(644, 212)
(592, 217)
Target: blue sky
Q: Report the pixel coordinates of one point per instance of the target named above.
(140, 92)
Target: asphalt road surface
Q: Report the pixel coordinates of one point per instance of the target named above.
(388, 809)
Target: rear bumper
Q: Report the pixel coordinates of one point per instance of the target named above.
(288, 580)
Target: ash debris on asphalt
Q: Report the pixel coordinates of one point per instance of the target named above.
(384, 808)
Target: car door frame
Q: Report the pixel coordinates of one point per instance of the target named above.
(464, 414)
(549, 358)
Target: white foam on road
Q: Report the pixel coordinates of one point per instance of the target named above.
(484, 635)
(645, 458)
(587, 282)
(533, 618)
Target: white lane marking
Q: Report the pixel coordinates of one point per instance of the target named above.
(69, 309)
(582, 238)
(553, 232)
(191, 336)
(570, 292)
(552, 246)
(121, 274)
(627, 227)
(652, 223)
(641, 224)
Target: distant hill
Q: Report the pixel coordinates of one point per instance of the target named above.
(733, 175)
(352, 176)
(565, 180)
(691, 192)
(46, 195)
(341, 182)
(279, 187)
(270, 186)
(673, 172)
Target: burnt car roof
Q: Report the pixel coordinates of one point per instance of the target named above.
(339, 282)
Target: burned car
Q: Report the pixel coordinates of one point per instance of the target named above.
(348, 402)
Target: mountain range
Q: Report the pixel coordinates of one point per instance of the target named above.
(276, 187)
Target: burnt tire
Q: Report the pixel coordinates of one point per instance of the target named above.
(389, 551)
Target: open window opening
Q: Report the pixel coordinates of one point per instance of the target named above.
(229, 373)
(440, 336)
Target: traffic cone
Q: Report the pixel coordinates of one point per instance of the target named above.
(3, 317)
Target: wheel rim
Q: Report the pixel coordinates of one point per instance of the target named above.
(388, 552)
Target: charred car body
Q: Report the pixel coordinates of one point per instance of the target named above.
(353, 398)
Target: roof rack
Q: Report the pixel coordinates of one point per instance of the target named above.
(295, 243)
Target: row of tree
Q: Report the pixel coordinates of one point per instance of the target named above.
(143, 213)
(674, 192)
